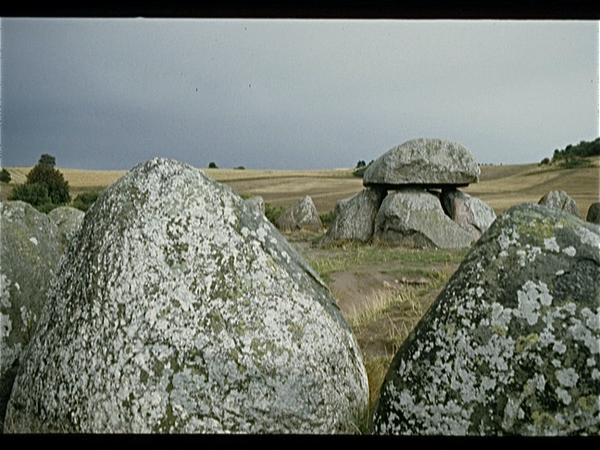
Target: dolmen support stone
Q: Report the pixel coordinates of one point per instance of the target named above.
(511, 346)
(354, 217)
(30, 253)
(413, 217)
(180, 308)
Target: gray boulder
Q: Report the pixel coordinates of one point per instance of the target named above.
(593, 214)
(471, 213)
(413, 217)
(354, 217)
(29, 257)
(302, 215)
(560, 200)
(68, 220)
(512, 344)
(257, 202)
(180, 308)
(424, 162)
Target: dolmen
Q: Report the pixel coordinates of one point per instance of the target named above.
(179, 308)
(511, 346)
(411, 197)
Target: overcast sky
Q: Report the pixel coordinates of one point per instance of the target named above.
(291, 94)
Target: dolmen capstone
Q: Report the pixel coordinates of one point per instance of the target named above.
(30, 253)
(180, 308)
(411, 198)
(511, 346)
(302, 215)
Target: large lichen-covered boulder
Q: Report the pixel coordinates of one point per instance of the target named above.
(180, 308)
(512, 344)
(560, 200)
(425, 162)
(29, 256)
(471, 213)
(302, 215)
(68, 220)
(413, 217)
(354, 217)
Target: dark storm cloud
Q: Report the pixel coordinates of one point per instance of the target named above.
(291, 94)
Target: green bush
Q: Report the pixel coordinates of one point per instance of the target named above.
(5, 176)
(84, 201)
(36, 194)
(212, 165)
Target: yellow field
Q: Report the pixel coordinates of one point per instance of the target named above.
(500, 186)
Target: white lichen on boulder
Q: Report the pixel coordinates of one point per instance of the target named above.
(180, 308)
(511, 345)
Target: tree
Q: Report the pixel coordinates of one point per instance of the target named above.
(45, 187)
(212, 165)
(47, 159)
(5, 176)
(58, 187)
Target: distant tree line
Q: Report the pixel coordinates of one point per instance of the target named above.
(572, 155)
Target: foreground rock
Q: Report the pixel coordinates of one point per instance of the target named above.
(512, 344)
(68, 220)
(30, 253)
(355, 217)
(424, 162)
(593, 214)
(180, 308)
(302, 215)
(415, 218)
(560, 200)
(471, 213)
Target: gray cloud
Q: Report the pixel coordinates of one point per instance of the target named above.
(291, 93)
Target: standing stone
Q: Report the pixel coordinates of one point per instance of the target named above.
(512, 344)
(560, 200)
(593, 214)
(413, 217)
(30, 254)
(302, 215)
(180, 308)
(424, 162)
(471, 213)
(68, 220)
(354, 217)
(257, 202)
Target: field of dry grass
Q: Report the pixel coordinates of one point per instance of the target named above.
(501, 186)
